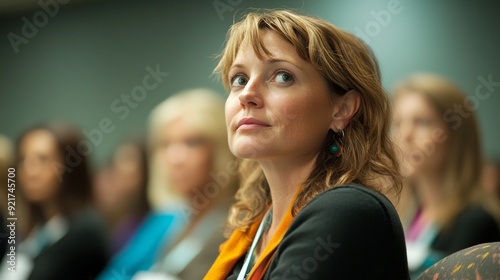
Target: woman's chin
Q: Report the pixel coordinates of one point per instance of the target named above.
(246, 151)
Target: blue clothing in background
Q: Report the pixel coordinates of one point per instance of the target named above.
(151, 238)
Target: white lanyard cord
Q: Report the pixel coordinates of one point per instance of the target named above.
(246, 269)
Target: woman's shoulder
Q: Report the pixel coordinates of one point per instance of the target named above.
(475, 212)
(348, 209)
(342, 228)
(476, 218)
(350, 199)
(87, 225)
(473, 225)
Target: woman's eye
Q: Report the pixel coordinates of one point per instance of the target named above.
(43, 159)
(423, 122)
(193, 142)
(238, 81)
(283, 78)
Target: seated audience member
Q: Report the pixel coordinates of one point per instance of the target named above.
(120, 190)
(443, 207)
(193, 177)
(307, 113)
(67, 239)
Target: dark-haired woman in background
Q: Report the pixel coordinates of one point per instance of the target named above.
(120, 191)
(66, 238)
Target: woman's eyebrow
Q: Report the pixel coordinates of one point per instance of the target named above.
(277, 60)
(267, 61)
(236, 66)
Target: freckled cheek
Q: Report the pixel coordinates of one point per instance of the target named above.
(231, 108)
(422, 135)
(291, 117)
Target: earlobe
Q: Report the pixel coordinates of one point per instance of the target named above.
(347, 107)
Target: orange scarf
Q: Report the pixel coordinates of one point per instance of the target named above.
(238, 244)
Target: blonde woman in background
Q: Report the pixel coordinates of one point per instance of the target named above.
(193, 176)
(442, 207)
(189, 152)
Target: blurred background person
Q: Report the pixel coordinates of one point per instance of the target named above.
(491, 177)
(189, 145)
(120, 190)
(193, 177)
(66, 238)
(443, 208)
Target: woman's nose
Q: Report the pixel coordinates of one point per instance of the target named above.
(251, 95)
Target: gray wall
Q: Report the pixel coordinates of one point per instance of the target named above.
(88, 54)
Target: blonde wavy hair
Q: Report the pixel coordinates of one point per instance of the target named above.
(347, 64)
(203, 110)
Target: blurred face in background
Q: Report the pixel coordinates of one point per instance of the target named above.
(419, 131)
(104, 189)
(128, 175)
(38, 166)
(491, 178)
(187, 157)
(115, 186)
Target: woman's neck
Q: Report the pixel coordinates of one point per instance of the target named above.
(50, 210)
(429, 189)
(284, 178)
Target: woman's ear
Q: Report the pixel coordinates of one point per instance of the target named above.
(347, 106)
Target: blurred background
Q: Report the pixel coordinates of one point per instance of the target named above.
(76, 60)
(109, 66)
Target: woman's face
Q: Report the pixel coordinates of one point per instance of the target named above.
(421, 135)
(187, 157)
(38, 166)
(279, 108)
(490, 179)
(127, 163)
(120, 184)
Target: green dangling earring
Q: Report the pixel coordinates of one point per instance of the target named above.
(336, 148)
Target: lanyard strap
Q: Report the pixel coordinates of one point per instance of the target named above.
(264, 225)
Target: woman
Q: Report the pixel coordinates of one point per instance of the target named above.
(443, 209)
(193, 178)
(121, 193)
(66, 238)
(307, 113)
(199, 175)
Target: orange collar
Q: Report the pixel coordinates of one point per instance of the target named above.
(239, 242)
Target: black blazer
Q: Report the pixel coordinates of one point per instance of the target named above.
(348, 232)
(80, 254)
(472, 226)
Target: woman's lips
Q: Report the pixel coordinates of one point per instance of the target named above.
(251, 123)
